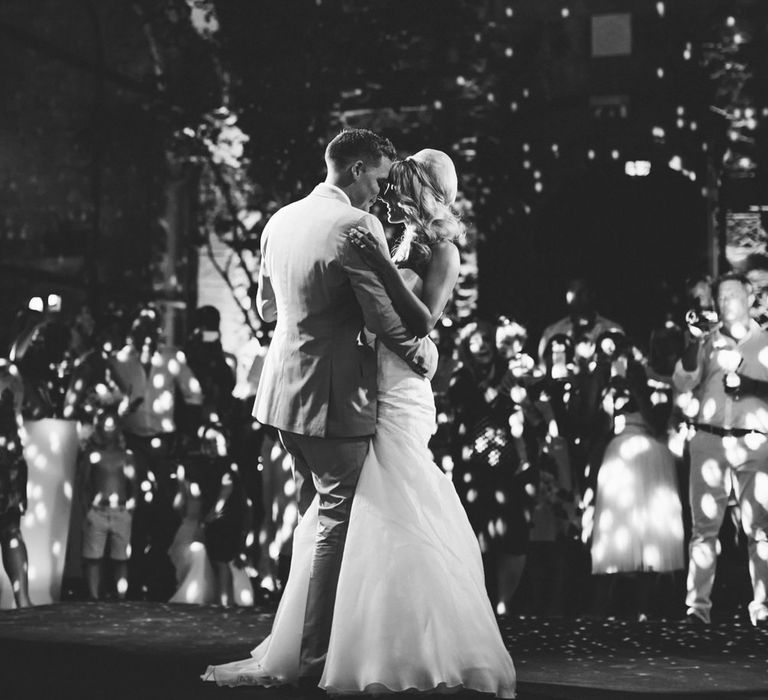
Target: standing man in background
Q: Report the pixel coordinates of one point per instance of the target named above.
(724, 375)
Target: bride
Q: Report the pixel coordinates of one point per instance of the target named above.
(411, 610)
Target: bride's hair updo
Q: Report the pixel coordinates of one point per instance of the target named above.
(425, 185)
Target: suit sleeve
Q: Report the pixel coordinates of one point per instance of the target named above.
(265, 296)
(378, 313)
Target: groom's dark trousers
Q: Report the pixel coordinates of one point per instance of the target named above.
(329, 467)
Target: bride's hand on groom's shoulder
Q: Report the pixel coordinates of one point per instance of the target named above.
(373, 250)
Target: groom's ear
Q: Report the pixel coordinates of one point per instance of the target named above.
(357, 168)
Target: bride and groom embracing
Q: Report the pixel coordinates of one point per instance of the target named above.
(386, 590)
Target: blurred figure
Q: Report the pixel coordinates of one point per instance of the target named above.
(214, 369)
(13, 483)
(108, 481)
(444, 335)
(491, 465)
(42, 354)
(637, 527)
(699, 293)
(757, 274)
(51, 349)
(194, 577)
(582, 321)
(543, 589)
(473, 392)
(147, 369)
(209, 548)
(266, 472)
(90, 366)
(281, 512)
(556, 576)
(723, 376)
(511, 339)
(554, 398)
(665, 348)
(227, 528)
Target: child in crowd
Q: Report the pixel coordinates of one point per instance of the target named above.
(108, 478)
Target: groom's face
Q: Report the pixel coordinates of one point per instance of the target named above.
(369, 180)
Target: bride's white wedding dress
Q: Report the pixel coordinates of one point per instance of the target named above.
(412, 612)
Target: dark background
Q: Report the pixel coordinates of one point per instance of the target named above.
(87, 124)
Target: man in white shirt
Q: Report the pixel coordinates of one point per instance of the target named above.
(723, 376)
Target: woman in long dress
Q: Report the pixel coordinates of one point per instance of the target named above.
(411, 610)
(637, 523)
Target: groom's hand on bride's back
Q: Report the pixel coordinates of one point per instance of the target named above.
(431, 357)
(425, 359)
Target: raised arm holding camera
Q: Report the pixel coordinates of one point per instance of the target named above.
(724, 376)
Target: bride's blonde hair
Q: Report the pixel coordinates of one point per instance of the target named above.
(426, 185)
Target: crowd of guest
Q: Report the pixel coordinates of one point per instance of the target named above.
(599, 469)
(158, 475)
(594, 467)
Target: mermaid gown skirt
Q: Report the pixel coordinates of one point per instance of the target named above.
(411, 611)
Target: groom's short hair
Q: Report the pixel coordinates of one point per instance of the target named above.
(358, 144)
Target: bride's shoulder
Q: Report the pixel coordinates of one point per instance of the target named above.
(445, 254)
(445, 248)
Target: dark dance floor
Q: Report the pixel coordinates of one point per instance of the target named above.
(152, 650)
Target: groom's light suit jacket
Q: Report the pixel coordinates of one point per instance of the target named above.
(319, 375)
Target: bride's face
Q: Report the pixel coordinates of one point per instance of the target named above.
(395, 213)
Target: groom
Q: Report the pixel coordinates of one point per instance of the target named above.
(318, 385)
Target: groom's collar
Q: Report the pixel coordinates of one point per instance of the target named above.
(325, 189)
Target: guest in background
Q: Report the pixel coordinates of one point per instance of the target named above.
(268, 479)
(581, 378)
(444, 335)
(248, 438)
(43, 356)
(516, 489)
(665, 347)
(194, 577)
(281, 512)
(723, 376)
(214, 369)
(227, 529)
(698, 290)
(13, 483)
(555, 572)
(756, 271)
(108, 478)
(90, 367)
(473, 392)
(209, 548)
(638, 527)
(543, 588)
(582, 320)
(490, 463)
(149, 370)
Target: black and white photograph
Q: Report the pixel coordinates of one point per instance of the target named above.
(383, 348)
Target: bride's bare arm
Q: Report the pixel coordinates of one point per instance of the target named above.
(419, 313)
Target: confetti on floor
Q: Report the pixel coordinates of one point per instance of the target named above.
(144, 650)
